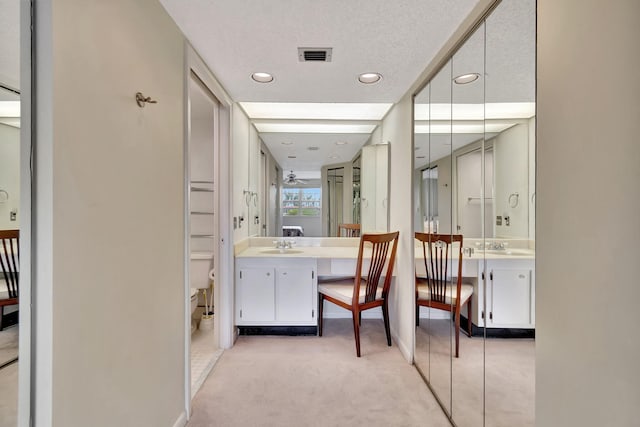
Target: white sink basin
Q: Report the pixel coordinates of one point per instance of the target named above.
(510, 252)
(281, 251)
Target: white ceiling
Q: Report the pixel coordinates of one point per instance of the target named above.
(238, 38)
(396, 39)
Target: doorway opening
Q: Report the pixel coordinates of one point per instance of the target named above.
(203, 229)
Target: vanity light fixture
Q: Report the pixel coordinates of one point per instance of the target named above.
(262, 77)
(463, 79)
(369, 78)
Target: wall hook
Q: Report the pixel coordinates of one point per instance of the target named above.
(142, 100)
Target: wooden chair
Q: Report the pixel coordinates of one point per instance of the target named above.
(437, 289)
(9, 266)
(362, 293)
(350, 230)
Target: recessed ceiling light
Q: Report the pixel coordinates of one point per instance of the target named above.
(369, 78)
(341, 143)
(262, 77)
(287, 143)
(466, 78)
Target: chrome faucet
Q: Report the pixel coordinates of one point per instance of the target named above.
(283, 244)
(495, 246)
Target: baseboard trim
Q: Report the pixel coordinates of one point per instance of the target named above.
(278, 330)
(182, 420)
(404, 350)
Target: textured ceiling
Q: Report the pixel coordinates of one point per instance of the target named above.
(395, 38)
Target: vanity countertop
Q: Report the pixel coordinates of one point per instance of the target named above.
(347, 248)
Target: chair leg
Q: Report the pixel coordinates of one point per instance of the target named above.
(417, 315)
(457, 332)
(1, 317)
(360, 318)
(320, 307)
(469, 324)
(356, 331)
(385, 315)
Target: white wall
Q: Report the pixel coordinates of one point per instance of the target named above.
(240, 130)
(511, 176)
(587, 349)
(109, 328)
(397, 130)
(9, 175)
(246, 147)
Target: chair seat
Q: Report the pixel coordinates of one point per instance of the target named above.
(466, 290)
(4, 290)
(342, 290)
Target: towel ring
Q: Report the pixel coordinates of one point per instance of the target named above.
(4, 196)
(514, 199)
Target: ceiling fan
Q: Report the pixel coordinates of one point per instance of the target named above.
(292, 180)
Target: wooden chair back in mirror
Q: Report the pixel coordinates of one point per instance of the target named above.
(439, 288)
(9, 269)
(361, 293)
(348, 230)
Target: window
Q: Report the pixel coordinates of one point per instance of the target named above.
(301, 202)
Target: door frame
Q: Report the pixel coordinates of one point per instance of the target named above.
(223, 247)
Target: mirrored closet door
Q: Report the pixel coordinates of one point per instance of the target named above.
(474, 177)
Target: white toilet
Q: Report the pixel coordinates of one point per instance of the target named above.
(194, 304)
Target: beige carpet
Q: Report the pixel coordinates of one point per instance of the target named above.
(316, 381)
(508, 376)
(8, 344)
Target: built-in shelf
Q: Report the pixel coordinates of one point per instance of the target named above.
(202, 182)
(201, 213)
(207, 190)
(203, 236)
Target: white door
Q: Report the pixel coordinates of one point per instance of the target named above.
(255, 297)
(510, 298)
(295, 294)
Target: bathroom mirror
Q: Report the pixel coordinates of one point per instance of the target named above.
(374, 188)
(469, 151)
(433, 145)
(335, 196)
(510, 284)
(474, 157)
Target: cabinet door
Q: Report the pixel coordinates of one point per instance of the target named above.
(255, 298)
(295, 294)
(510, 298)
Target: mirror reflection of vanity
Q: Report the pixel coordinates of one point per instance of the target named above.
(367, 202)
(474, 175)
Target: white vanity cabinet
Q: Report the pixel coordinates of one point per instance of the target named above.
(276, 291)
(510, 294)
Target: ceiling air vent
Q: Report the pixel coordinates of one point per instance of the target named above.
(314, 54)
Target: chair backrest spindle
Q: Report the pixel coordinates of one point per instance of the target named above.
(436, 250)
(10, 260)
(380, 258)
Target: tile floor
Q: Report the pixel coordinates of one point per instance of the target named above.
(204, 354)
